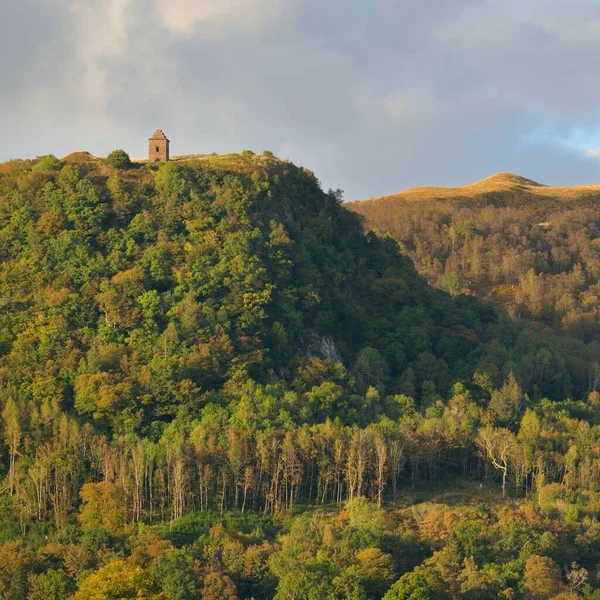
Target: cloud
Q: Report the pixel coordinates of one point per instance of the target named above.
(373, 97)
(102, 40)
(182, 16)
(593, 152)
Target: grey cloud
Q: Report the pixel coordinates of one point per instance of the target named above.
(374, 97)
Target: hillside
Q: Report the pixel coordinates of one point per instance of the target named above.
(502, 189)
(532, 249)
(205, 270)
(214, 384)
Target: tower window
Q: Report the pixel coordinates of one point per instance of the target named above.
(157, 149)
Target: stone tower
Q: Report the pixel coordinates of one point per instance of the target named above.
(158, 147)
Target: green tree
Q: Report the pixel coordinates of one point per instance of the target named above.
(118, 159)
(173, 573)
(349, 585)
(49, 162)
(12, 437)
(377, 571)
(506, 402)
(450, 283)
(370, 369)
(424, 583)
(53, 585)
(117, 580)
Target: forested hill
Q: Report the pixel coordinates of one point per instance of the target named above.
(533, 250)
(129, 294)
(202, 361)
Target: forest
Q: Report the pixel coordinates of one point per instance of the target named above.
(215, 384)
(531, 249)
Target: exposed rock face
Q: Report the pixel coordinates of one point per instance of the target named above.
(323, 345)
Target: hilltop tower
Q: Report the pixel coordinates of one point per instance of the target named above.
(158, 147)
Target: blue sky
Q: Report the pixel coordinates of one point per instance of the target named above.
(373, 96)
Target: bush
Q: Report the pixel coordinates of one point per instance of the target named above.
(49, 162)
(118, 159)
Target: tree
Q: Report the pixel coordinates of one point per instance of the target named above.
(103, 505)
(473, 585)
(376, 570)
(53, 585)
(117, 581)
(450, 283)
(12, 437)
(497, 444)
(118, 159)
(49, 162)
(506, 402)
(118, 300)
(18, 585)
(349, 585)
(314, 580)
(173, 573)
(577, 577)
(423, 583)
(217, 586)
(370, 369)
(542, 578)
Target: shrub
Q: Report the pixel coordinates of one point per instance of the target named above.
(49, 162)
(118, 159)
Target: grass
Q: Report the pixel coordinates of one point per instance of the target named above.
(502, 188)
(243, 163)
(451, 492)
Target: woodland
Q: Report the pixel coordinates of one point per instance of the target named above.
(218, 382)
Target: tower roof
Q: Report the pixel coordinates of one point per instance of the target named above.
(158, 135)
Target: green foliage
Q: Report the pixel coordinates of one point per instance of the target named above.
(53, 585)
(531, 250)
(118, 159)
(450, 283)
(213, 383)
(116, 581)
(173, 574)
(506, 402)
(49, 162)
(424, 583)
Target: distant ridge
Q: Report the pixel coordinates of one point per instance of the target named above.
(510, 179)
(531, 249)
(500, 188)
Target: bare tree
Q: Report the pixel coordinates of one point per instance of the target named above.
(497, 445)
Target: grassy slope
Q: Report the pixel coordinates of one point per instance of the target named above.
(502, 189)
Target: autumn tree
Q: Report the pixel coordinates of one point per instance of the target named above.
(117, 580)
(217, 586)
(542, 578)
(102, 505)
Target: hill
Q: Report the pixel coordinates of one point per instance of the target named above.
(215, 384)
(502, 189)
(532, 249)
(205, 270)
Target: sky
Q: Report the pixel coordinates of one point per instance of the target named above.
(373, 96)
